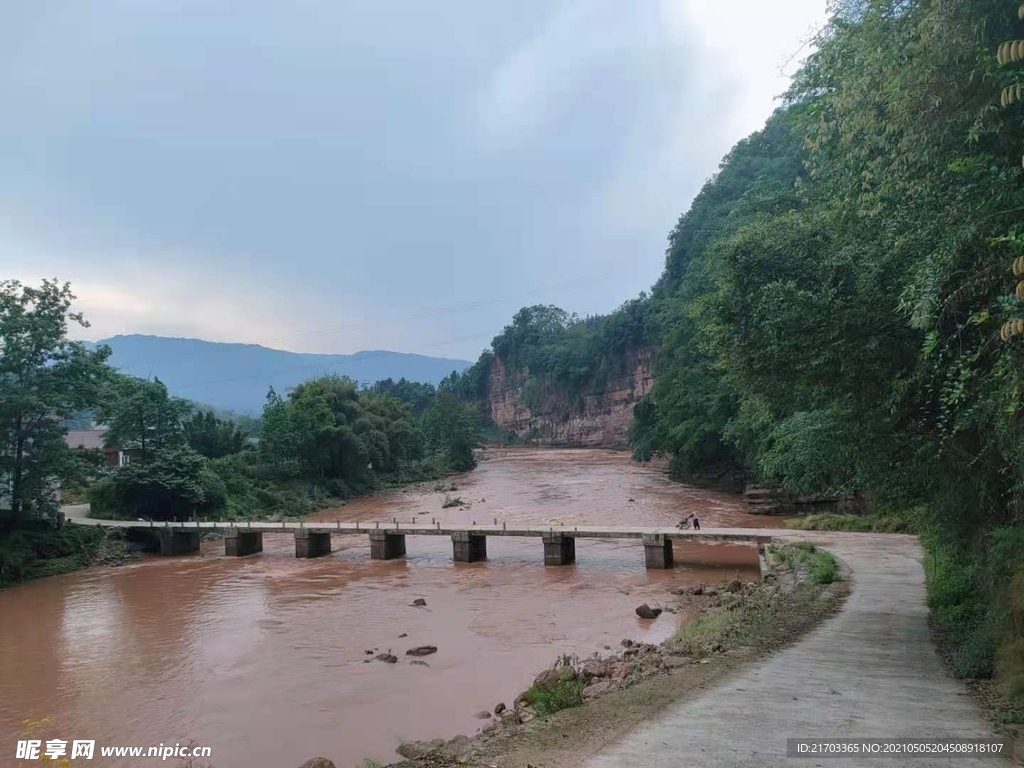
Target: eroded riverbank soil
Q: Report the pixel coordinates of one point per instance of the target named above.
(235, 652)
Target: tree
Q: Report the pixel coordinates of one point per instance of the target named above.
(44, 379)
(140, 413)
(451, 429)
(176, 482)
(418, 396)
(212, 437)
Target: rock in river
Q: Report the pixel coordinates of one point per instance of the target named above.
(421, 650)
(483, 714)
(646, 612)
(387, 658)
(499, 708)
(317, 762)
(419, 601)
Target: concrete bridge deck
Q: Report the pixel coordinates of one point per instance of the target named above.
(387, 539)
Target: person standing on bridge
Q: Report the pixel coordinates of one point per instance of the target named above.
(696, 522)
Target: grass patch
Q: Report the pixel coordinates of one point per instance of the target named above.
(739, 621)
(548, 699)
(820, 565)
(761, 614)
(824, 569)
(855, 523)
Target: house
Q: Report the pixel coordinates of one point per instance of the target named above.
(92, 440)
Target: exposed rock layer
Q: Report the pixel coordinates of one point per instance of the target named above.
(539, 411)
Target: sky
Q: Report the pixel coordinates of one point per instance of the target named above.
(331, 176)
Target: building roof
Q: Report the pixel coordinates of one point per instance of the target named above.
(85, 438)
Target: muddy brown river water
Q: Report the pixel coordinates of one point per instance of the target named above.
(263, 658)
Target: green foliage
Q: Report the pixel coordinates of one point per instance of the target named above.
(830, 309)
(212, 437)
(328, 431)
(824, 569)
(33, 552)
(819, 564)
(452, 431)
(44, 379)
(550, 698)
(418, 396)
(862, 523)
(172, 483)
(139, 413)
(560, 349)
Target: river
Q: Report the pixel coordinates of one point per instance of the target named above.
(264, 658)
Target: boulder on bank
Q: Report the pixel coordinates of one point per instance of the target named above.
(413, 750)
(317, 762)
(735, 586)
(499, 708)
(598, 689)
(547, 677)
(596, 668)
(646, 612)
(421, 650)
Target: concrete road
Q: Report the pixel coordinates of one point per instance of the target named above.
(870, 672)
(76, 511)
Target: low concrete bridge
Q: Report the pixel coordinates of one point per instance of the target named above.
(469, 543)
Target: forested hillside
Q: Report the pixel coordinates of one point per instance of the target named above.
(838, 313)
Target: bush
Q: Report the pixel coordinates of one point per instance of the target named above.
(547, 699)
(864, 523)
(824, 569)
(821, 565)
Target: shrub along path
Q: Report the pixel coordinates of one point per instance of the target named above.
(870, 672)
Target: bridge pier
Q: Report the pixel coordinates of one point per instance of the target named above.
(176, 541)
(559, 549)
(386, 546)
(312, 543)
(657, 551)
(239, 542)
(468, 547)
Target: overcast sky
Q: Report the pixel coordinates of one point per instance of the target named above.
(330, 176)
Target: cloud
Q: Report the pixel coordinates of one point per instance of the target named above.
(335, 176)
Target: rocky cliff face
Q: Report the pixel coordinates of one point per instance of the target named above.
(542, 413)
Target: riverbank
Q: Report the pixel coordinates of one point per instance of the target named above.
(577, 705)
(33, 552)
(872, 668)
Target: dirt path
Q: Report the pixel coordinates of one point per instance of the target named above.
(870, 672)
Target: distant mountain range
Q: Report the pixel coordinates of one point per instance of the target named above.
(236, 377)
